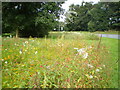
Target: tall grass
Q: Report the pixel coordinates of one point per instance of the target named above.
(54, 62)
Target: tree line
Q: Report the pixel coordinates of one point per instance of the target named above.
(26, 19)
(93, 17)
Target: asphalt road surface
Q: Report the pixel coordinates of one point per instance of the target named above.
(110, 35)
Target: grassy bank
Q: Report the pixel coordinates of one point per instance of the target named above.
(59, 61)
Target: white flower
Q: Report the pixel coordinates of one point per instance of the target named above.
(97, 70)
(15, 44)
(48, 67)
(85, 55)
(76, 48)
(90, 76)
(20, 52)
(103, 65)
(36, 52)
(26, 41)
(10, 36)
(62, 45)
(2, 59)
(81, 51)
(6, 62)
(89, 65)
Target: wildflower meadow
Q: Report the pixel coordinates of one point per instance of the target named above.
(55, 63)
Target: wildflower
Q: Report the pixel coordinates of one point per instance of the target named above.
(103, 65)
(8, 57)
(62, 44)
(10, 36)
(81, 51)
(41, 66)
(48, 67)
(90, 76)
(2, 59)
(15, 44)
(36, 52)
(85, 55)
(76, 48)
(23, 65)
(97, 70)
(6, 62)
(26, 41)
(20, 51)
(89, 65)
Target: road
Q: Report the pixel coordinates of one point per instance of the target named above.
(110, 35)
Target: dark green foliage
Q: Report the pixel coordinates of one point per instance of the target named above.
(114, 9)
(99, 18)
(93, 17)
(34, 19)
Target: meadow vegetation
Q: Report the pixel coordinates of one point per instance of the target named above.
(61, 60)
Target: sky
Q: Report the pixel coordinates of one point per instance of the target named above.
(69, 2)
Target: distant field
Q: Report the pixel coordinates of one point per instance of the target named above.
(63, 60)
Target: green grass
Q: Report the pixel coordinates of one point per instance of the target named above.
(107, 32)
(112, 45)
(54, 63)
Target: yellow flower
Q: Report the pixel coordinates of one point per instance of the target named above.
(8, 57)
(5, 58)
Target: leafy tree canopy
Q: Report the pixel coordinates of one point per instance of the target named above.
(30, 18)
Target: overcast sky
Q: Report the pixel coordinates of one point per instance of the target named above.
(69, 2)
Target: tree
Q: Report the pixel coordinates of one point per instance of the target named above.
(114, 14)
(30, 19)
(79, 18)
(93, 17)
(99, 18)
